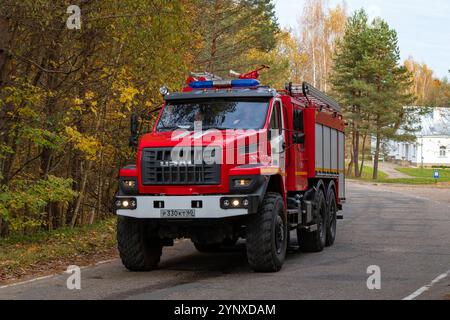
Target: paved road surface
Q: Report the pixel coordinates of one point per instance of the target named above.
(408, 237)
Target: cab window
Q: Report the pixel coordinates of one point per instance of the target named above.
(275, 119)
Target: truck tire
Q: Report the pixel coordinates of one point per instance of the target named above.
(267, 235)
(332, 218)
(315, 241)
(138, 250)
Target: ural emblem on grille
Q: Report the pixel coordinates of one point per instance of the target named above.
(175, 163)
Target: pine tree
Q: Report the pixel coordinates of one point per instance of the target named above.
(349, 82)
(372, 85)
(388, 86)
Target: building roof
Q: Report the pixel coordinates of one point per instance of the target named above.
(435, 123)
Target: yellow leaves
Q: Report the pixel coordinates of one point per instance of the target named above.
(89, 95)
(85, 143)
(127, 95)
(89, 102)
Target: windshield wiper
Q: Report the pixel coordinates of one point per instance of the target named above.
(171, 128)
(191, 127)
(214, 127)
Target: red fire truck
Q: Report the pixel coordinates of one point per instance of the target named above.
(229, 160)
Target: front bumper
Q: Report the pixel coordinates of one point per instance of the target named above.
(148, 207)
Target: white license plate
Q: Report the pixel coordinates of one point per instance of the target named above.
(177, 213)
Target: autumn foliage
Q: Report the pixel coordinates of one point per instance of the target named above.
(66, 95)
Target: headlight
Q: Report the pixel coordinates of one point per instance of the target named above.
(242, 182)
(128, 185)
(245, 184)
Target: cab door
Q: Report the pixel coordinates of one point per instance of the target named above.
(277, 136)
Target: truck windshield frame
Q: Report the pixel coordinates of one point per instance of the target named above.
(220, 114)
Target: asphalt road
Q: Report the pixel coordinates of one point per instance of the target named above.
(407, 236)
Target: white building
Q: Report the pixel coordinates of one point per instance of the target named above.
(432, 146)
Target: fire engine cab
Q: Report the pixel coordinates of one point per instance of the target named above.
(229, 160)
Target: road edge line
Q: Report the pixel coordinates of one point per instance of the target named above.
(427, 287)
(56, 274)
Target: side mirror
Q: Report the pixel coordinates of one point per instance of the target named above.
(134, 124)
(298, 138)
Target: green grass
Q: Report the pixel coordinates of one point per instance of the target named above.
(367, 174)
(426, 173)
(55, 250)
(418, 176)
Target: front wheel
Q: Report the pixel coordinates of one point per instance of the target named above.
(267, 235)
(138, 249)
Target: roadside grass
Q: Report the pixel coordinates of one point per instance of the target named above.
(418, 176)
(45, 252)
(367, 174)
(426, 174)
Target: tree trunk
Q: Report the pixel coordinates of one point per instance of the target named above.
(81, 193)
(363, 154)
(350, 165)
(314, 63)
(92, 216)
(5, 38)
(356, 151)
(212, 58)
(377, 155)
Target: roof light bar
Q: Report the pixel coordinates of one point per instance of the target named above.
(240, 83)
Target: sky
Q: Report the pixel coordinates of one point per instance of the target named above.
(423, 27)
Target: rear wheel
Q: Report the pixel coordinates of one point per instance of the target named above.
(267, 235)
(315, 241)
(138, 249)
(332, 218)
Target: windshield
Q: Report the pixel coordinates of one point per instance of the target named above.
(217, 114)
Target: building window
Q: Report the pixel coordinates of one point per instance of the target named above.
(443, 151)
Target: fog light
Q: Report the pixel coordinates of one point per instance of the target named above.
(245, 202)
(126, 203)
(236, 203)
(226, 203)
